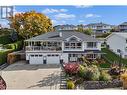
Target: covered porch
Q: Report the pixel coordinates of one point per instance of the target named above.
(75, 56)
(43, 45)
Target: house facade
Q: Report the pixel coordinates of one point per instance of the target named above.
(99, 28)
(117, 41)
(53, 47)
(122, 27)
(65, 27)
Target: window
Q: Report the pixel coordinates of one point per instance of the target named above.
(32, 55)
(126, 40)
(78, 44)
(36, 55)
(40, 55)
(91, 56)
(91, 44)
(73, 45)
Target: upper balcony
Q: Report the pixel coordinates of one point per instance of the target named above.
(44, 46)
(43, 49)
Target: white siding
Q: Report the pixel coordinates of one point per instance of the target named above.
(97, 48)
(116, 42)
(65, 57)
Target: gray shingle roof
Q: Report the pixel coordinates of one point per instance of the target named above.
(98, 24)
(124, 23)
(55, 36)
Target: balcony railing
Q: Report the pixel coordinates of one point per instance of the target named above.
(40, 48)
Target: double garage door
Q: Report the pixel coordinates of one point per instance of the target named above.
(39, 59)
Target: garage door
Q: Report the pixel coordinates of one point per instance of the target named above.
(53, 59)
(36, 59)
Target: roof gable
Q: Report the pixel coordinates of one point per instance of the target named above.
(73, 38)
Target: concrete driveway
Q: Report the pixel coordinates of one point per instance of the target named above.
(26, 76)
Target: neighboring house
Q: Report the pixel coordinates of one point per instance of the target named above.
(117, 41)
(122, 27)
(53, 47)
(99, 28)
(65, 27)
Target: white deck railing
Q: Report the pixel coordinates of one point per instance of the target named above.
(40, 48)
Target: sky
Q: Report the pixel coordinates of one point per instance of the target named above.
(78, 14)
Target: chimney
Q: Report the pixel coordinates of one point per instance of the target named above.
(60, 34)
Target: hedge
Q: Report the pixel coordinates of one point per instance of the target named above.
(9, 48)
(15, 46)
(3, 55)
(5, 39)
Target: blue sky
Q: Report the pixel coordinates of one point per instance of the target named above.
(79, 14)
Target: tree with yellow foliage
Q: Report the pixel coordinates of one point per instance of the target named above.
(30, 24)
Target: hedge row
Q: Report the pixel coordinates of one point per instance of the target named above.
(9, 48)
(5, 39)
(15, 46)
(3, 55)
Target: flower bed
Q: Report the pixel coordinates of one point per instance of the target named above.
(89, 77)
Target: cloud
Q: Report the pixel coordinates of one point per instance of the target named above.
(64, 16)
(81, 21)
(60, 22)
(83, 6)
(92, 16)
(54, 22)
(46, 11)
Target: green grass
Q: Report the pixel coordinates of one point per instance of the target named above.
(112, 56)
(105, 65)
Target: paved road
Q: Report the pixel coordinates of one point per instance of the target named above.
(26, 76)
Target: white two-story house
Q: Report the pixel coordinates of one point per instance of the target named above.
(117, 42)
(68, 46)
(99, 28)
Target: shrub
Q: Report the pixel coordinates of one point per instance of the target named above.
(71, 68)
(92, 73)
(114, 71)
(5, 39)
(96, 72)
(70, 84)
(3, 56)
(82, 71)
(12, 58)
(104, 76)
(123, 77)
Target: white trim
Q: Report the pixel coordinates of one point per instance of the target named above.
(67, 39)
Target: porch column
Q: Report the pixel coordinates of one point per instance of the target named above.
(62, 46)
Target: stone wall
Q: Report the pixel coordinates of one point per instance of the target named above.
(102, 84)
